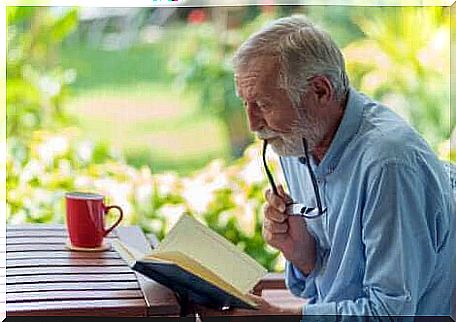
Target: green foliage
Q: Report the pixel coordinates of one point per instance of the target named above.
(201, 63)
(36, 84)
(337, 21)
(226, 198)
(38, 173)
(44, 164)
(404, 66)
(201, 60)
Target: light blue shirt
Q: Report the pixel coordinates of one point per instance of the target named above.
(387, 244)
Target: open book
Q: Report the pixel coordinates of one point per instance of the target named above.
(199, 265)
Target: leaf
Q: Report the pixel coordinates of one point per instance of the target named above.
(15, 14)
(64, 25)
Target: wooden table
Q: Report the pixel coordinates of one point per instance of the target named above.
(44, 278)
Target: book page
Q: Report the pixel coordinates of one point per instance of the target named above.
(130, 254)
(192, 238)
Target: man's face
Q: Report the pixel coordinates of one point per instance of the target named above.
(270, 111)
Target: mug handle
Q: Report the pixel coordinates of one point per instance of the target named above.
(118, 220)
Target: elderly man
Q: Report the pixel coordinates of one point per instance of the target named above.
(382, 240)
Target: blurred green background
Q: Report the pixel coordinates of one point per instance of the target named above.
(139, 104)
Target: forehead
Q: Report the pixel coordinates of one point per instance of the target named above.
(259, 77)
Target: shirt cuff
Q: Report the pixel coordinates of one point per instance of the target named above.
(297, 272)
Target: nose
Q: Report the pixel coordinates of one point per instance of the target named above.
(256, 120)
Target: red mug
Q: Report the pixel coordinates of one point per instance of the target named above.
(85, 213)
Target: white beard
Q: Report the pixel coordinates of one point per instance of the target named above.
(287, 145)
(291, 144)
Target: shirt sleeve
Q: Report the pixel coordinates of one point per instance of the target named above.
(400, 244)
(303, 285)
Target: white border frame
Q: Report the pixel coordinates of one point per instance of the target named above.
(164, 3)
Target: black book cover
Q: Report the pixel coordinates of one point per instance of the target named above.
(188, 285)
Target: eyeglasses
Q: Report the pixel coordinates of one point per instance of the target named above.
(293, 208)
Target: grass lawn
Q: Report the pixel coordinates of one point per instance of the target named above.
(98, 68)
(127, 99)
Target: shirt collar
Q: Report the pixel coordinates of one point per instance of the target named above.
(348, 127)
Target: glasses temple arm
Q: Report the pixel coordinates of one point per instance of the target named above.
(268, 172)
(312, 176)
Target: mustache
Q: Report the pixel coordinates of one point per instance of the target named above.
(266, 133)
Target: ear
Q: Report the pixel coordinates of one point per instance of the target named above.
(322, 89)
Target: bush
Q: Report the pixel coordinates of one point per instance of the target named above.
(407, 69)
(226, 198)
(37, 85)
(46, 158)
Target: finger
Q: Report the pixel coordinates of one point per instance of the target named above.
(278, 239)
(276, 201)
(267, 194)
(271, 213)
(255, 298)
(258, 300)
(275, 240)
(286, 197)
(274, 227)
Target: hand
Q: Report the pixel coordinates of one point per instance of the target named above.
(263, 308)
(266, 308)
(288, 233)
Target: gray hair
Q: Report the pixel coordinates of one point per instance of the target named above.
(303, 51)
